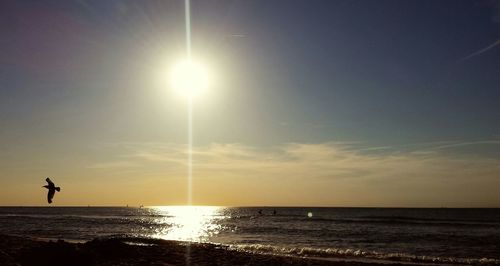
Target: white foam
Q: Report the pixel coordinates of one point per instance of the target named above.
(347, 253)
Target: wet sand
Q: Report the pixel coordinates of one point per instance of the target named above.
(134, 251)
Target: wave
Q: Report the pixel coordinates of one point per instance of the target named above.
(404, 218)
(375, 220)
(381, 217)
(77, 216)
(397, 220)
(346, 253)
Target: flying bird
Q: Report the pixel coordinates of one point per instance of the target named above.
(52, 189)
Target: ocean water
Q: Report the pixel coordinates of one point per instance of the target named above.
(441, 235)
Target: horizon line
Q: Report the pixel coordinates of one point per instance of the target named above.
(244, 206)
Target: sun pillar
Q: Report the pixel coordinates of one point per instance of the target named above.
(187, 15)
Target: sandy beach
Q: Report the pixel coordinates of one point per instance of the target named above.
(133, 251)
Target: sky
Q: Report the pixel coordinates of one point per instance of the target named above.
(312, 103)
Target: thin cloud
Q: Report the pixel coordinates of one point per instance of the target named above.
(461, 144)
(117, 164)
(376, 148)
(238, 35)
(308, 160)
(489, 47)
(320, 174)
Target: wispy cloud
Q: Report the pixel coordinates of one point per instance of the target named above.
(470, 143)
(378, 148)
(238, 35)
(489, 47)
(321, 157)
(115, 164)
(324, 173)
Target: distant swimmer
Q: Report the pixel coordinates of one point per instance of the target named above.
(52, 189)
(274, 212)
(260, 212)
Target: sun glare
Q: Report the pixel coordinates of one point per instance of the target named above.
(189, 78)
(188, 223)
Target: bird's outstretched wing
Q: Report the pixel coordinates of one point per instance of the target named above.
(50, 195)
(49, 181)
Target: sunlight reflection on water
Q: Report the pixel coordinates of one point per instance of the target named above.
(188, 223)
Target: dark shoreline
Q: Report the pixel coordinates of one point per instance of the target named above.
(16, 250)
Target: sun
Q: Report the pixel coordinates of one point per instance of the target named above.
(189, 78)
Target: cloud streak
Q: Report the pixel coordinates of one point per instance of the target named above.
(329, 173)
(489, 47)
(471, 143)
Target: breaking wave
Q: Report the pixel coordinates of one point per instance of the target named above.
(331, 253)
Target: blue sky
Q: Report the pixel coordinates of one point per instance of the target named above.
(373, 78)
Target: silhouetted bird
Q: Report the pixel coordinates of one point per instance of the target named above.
(52, 189)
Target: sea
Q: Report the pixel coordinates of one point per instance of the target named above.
(446, 236)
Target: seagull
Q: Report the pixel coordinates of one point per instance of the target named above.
(52, 189)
